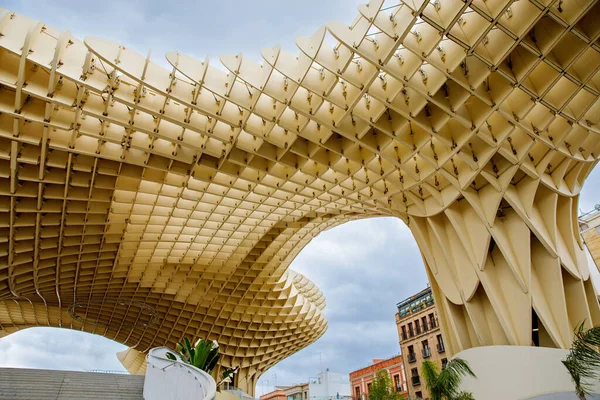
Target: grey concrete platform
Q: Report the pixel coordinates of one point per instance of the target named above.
(565, 396)
(40, 384)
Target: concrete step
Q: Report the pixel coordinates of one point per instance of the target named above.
(39, 384)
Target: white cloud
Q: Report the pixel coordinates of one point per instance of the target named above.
(54, 348)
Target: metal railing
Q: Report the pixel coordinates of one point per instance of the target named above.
(412, 357)
(426, 352)
(108, 371)
(173, 379)
(419, 329)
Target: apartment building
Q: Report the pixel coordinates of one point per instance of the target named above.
(295, 392)
(589, 226)
(420, 338)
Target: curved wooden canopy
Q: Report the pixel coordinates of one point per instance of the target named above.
(147, 204)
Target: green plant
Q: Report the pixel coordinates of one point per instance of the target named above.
(203, 355)
(381, 388)
(227, 376)
(444, 384)
(583, 360)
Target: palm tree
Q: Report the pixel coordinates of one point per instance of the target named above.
(583, 360)
(444, 384)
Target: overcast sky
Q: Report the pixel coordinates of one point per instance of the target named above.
(364, 268)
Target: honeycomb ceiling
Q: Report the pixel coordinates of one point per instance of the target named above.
(148, 204)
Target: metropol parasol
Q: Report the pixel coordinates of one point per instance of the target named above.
(147, 204)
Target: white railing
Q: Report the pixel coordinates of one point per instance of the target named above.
(175, 380)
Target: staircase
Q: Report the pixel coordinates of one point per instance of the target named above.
(40, 384)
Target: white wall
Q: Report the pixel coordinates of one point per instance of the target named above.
(516, 372)
(328, 385)
(175, 380)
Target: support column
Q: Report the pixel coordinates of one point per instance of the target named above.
(503, 263)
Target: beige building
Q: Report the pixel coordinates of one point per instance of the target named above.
(294, 392)
(420, 338)
(297, 392)
(589, 225)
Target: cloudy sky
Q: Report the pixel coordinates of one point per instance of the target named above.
(364, 267)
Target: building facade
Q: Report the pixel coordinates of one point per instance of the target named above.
(295, 392)
(329, 385)
(420, 338)
(278, 394)
(589, 226)
(361, 380)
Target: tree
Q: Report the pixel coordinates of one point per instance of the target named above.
(583, 360)
(444, 384)
(381, 388)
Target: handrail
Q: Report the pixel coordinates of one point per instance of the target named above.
(168, 379)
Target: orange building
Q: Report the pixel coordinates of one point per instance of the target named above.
(274, 395)
(360, 380)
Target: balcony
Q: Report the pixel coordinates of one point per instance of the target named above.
(426, 352)
(416, 380)
(441, 348)
(412, 357)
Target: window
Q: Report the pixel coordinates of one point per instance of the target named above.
(417, 327)
(397, 384)
(440, 344)
(412, 357)
(404, 337)
(432, 323)
(415, 379)
(426, 350)
(357, 392)
(444, 362)
(410, 329)
(424, 323)
(419, 395)
(369, 387)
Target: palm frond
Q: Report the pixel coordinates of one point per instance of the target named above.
(430, 372)
(464, 396)
(583, 360)
(452, 375)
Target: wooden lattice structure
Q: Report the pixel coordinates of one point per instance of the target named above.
(147, 204)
